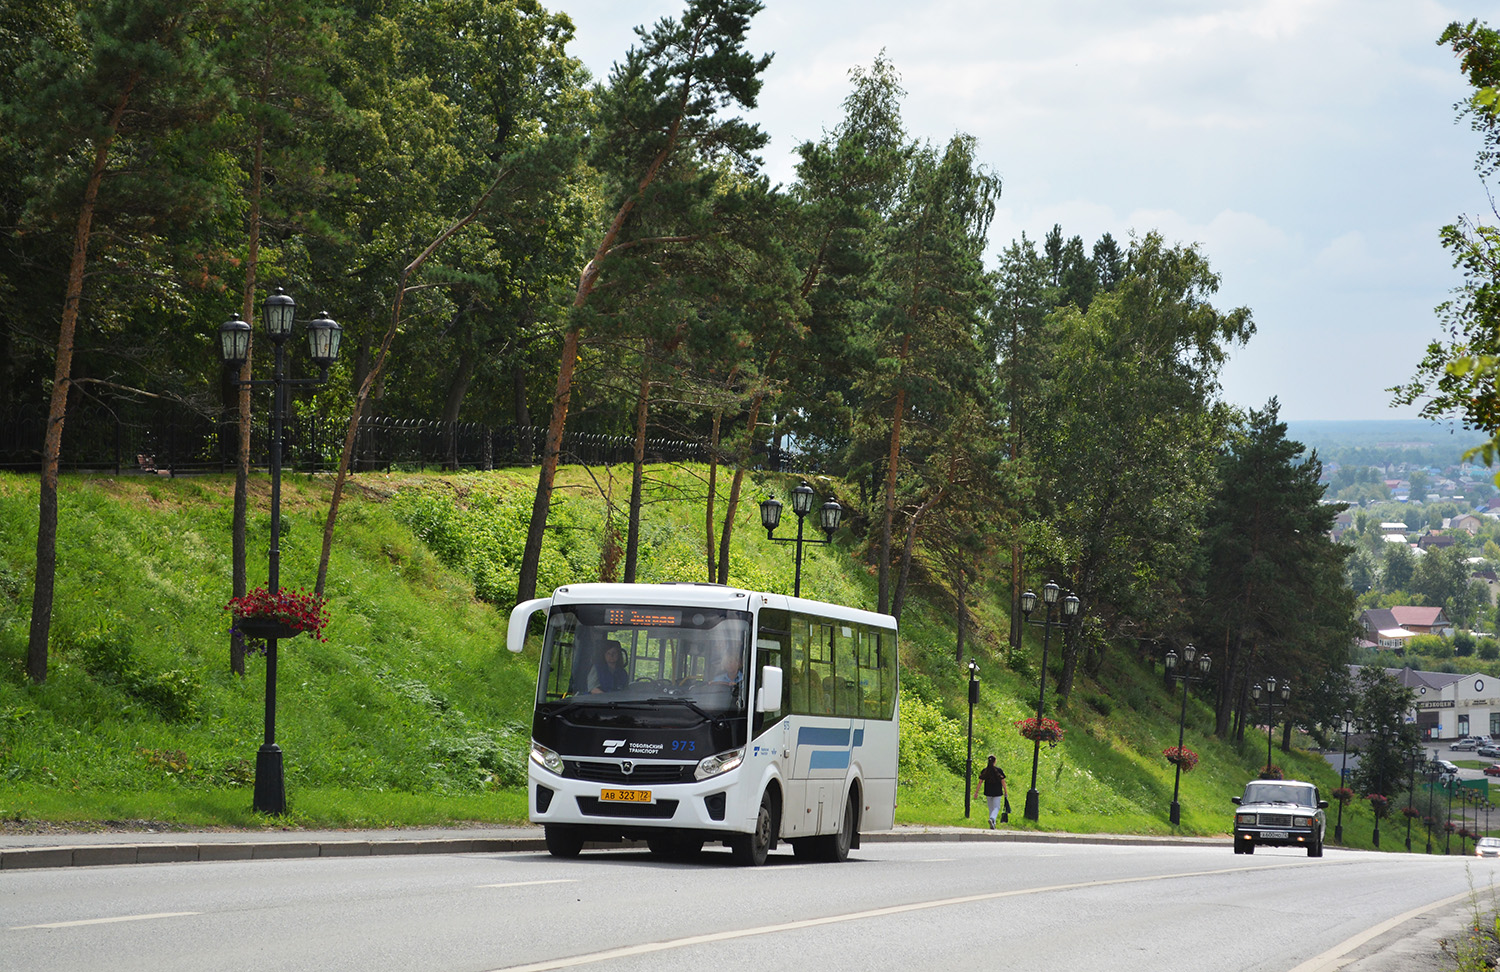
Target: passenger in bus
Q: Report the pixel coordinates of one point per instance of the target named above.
(610, 674)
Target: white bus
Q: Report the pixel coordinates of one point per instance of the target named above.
(739, 717)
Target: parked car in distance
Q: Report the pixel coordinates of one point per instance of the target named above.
(1489, 749)
(1279, 813)
(1466, 744)
(1492, 770)
(1487, 847)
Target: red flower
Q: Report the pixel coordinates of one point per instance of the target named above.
(1343, 795)
(1043, 730)
(301, 610)
(1181, 756)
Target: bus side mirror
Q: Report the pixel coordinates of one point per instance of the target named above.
(520, 618)
(768, 696)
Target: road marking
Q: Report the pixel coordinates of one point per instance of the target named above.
(524, 884)
(1333, 958)
(108, 921)
(647, 948)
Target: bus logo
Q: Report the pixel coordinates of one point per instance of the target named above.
(610, 745)
(627, 767)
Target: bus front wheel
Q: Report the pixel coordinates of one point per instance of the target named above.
(750, 849)
(562, 841)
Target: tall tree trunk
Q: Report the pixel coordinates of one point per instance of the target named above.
(741, 461)
(238, 540)
(453, 402)
(518, 397)
(638, 466)
(899, 600)
(892, 465)
(46, 532)
(713, 487)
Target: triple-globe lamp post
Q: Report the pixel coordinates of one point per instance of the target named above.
(1275, 698)
(802, 501)
(1194, 668)
(323, 335)
(1065, 610)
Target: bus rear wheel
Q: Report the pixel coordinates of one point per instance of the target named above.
(835, 847)
(562, 841)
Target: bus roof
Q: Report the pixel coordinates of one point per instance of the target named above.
(713, 595)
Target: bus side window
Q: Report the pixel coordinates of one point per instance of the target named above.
(797, 676)
(845, 671)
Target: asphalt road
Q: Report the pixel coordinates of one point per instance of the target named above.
(940, 905)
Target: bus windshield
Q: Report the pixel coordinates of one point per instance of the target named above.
(614, 654)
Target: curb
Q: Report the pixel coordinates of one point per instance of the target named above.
(94, 855)
(97, 855)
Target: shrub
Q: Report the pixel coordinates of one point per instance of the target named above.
(928, 737)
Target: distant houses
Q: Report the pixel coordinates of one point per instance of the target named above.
(1391, 628)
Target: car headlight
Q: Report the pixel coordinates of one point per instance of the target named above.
(722, 763)
(1302, 821)
(546, 758)
(1244, 818)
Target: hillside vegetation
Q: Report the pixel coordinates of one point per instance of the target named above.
(413, 712)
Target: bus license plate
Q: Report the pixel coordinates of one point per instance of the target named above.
(625, 796)
(1274, 834)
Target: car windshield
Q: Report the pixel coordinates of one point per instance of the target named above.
(630, 655)
(1300, 796)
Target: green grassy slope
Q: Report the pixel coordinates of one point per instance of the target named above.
(413, 712)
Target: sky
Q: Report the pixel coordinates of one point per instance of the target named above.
(1311, 148)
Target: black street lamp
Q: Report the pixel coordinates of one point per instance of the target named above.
(1448, 827)
(1411, 793)
(1429, 775)
(1338, 828)
(969, 761)
(1186, 675)
(802, 500)
(1068, 610)
(1274, 700)
(323, 336)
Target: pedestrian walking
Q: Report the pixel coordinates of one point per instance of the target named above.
(993, 779)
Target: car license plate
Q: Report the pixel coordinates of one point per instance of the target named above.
(625, 796)
(1274, 834)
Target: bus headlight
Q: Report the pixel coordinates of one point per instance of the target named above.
(546, 758)
(722, 763)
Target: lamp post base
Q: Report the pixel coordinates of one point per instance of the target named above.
(1175, 814)
(270, 781)
(1338, 833)
(1033, 806)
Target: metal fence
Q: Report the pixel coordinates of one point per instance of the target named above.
(172, 440)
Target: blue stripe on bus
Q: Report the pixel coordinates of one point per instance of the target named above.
(859, 737)
(815, 736)
(828, 759)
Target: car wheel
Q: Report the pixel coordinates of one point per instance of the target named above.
(1249, 847)
(1315, 849)
(562, 841)
(750, 849)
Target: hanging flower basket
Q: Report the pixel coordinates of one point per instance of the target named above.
(284, 614)
(1043, 730)
(1410, 813)
(1380, 804)
(1181, 756)
(1272, 772)
(1343, 795)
